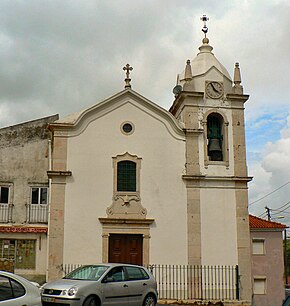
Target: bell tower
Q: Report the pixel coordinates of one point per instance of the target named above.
(211, 106)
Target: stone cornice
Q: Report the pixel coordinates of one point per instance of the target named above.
(217, 178)
(193, 131)
(181, 97)
(238, 97)
(126, 221)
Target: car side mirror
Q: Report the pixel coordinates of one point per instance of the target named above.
(108, 279)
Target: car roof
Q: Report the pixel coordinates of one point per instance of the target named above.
(113, 265)
(6, 273)
(15, 276)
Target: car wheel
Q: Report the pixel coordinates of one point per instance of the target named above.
(90, 301)
(149, 300)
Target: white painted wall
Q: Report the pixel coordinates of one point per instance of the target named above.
(218, 227)
(89, 191)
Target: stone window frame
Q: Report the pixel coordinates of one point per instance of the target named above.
(37, 185)
(122, 129)
(10, 191)
(129, 157)
(260, 278)
(259, 240)
(225, 133)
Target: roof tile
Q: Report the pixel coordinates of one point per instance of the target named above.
(256, 222)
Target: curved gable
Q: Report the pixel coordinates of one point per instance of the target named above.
(76, 123)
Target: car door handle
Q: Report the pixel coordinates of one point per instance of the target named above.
(144, 284)
(125, 286)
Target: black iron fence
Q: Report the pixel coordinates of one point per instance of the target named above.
(192, 282)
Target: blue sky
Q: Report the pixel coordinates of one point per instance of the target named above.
(265, 128)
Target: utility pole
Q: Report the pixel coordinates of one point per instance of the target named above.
(268, 211)
(285, 258)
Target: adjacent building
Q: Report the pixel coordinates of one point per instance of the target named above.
(24, 189)
(267, 262)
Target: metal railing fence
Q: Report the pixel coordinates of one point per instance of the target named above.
(36, 213)
(191, 282)
(6, 213)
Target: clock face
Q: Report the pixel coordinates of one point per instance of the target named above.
(214, 90)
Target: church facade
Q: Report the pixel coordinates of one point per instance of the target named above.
(128, 181)
(132, 182)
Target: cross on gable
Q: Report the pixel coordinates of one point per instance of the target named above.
(127, 68)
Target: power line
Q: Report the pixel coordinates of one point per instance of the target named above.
(263, 215)
(279, 212)
(283, 206)
(269, 193)
(283, 211)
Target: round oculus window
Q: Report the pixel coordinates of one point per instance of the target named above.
(127, 128)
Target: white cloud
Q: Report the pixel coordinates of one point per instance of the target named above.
(271, 172)
(285, 132)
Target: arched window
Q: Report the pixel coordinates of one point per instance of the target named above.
(126, 176)
(215, 137)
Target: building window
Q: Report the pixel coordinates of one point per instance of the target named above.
(4, 195)
(127, 128)
(258, 246)
(215, 137)
(259, 285)
(21, 251)
(126, 176)
(39, 195)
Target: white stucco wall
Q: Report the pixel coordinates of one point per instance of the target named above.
(218, 227)
(90, 189)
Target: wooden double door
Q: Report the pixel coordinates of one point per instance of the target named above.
(126, 248)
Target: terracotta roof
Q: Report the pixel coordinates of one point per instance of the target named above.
(256, 222)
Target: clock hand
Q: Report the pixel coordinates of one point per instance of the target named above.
(213, 87)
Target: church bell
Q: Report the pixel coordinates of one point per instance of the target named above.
(214, 145)
(215, 150)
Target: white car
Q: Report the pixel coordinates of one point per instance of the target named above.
(17, 291)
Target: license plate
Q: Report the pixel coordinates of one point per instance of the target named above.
(48, 299)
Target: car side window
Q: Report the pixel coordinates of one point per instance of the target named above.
(17, 288)
(6, 292)
(9, 289)
(135, 273)
(115, 275)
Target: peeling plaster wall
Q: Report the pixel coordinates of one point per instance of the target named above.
(24, 161)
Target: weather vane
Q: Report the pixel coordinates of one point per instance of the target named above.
(127, 68)
(204, 18)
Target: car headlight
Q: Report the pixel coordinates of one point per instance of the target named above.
(72, 291)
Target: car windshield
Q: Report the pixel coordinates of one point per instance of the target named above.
(87, 273)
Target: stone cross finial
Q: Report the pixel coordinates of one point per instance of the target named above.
(127, 68)
(204, 18)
